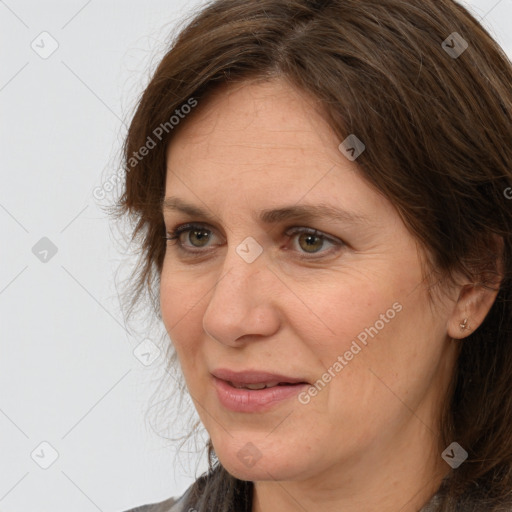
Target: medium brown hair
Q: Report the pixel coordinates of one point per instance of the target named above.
(438, 136)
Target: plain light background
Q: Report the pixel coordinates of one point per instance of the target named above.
(75, 383)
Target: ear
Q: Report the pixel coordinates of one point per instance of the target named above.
(475, 300)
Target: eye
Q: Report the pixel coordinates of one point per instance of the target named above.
(195, 231)
(310, 241)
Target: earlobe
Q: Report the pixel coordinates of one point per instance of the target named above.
(474, 303)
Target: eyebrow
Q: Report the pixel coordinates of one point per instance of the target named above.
(274, 216)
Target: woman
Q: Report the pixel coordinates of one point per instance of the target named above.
(321, 192)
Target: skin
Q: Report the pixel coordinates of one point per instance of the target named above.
(368, 440)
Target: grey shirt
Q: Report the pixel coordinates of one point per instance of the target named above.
(169, 505)
(179, 504)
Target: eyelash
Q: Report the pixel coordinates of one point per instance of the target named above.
(185, 228)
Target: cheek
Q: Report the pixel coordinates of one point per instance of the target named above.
(365, 339)
(330, 317)
(181, 307)
(380, 381)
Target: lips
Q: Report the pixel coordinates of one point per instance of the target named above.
(256, 380)
(255, 391)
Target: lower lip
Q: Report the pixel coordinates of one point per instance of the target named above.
(258, 400)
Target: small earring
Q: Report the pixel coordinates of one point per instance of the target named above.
(464, 325)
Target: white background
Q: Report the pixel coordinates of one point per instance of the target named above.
(68, 374)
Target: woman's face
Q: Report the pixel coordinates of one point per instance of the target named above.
(347, 314)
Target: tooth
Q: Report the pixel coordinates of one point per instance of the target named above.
(256, 386)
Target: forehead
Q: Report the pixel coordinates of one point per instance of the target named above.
(254, 122)
(261, 144)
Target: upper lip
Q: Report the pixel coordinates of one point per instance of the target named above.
(253, 377)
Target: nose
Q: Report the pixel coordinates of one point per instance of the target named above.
(243, 304)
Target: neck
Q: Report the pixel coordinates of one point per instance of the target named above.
(402, 476)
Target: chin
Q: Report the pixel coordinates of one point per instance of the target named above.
(269, 471)
(246, 462)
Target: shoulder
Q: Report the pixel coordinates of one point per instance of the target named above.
(169, 505)
(206, 493)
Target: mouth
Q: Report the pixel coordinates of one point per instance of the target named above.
(254, 391)
(256, 379)
(262, 385)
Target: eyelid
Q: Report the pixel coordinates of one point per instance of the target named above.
(312, 231)
(178, 230)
